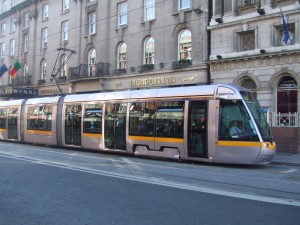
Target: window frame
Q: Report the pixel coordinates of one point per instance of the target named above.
(182, 45)
(92, 23)
(149, 10)
(45, 12)
(44, 37)
(184, 4)
(65, 31)
(122, 14)
(149, 55)
(121, 63)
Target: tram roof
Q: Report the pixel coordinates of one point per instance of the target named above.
(45, 100)
(12, 102)
(153, 93)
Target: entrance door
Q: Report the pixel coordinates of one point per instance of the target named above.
(197, 129)
(115, 126)
(73, 117)
(12, 124)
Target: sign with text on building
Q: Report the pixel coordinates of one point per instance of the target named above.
(24, 92)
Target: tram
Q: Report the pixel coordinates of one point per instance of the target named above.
(182, 123)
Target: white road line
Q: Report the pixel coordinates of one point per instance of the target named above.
(152, 165)
(163, 182)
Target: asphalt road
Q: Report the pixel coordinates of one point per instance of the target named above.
(40, 185)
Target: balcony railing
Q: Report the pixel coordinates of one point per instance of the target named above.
(84, 71)
(21, 81)
(284, 119)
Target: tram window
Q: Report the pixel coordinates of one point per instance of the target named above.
(141, 118)
(39, 118)
(3, 118)
(92, 121)
(235, 122)
(169, 119)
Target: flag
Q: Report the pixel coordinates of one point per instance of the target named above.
(3, 69)
(286, 37)
(13, 70)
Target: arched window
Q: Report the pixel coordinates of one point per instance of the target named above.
(149, 51)
(185, 45)
(287, 95)
(92, 62)
(43, 70)
(250, 84)
(122, 51)
(64, 68)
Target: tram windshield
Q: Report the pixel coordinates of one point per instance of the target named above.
(235, 122)
(258, 115)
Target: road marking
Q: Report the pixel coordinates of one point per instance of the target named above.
(161, 182)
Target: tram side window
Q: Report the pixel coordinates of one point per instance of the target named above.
(235, 122)
(39, 118)
(3, 118)
(169, 119)
(141, 118)
(92, 121)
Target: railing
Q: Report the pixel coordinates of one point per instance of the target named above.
(84, 71)
(284, 119)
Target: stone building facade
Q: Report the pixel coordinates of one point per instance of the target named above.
(247, 49)
(119, 44)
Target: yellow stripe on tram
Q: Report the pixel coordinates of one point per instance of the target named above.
(90, 135)
(239, 144)
(159, 139)
(38, 132)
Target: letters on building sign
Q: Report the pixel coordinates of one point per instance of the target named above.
(152, 81)
(24, 92)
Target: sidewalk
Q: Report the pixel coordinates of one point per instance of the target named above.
(286, 159)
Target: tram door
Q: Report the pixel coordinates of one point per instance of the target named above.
(12, 123)
(73, 117)
(115, 126)
(197, 129)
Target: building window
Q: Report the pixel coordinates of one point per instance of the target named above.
(4, 6)
(2, 50)
(221, 7)
(149, 51)
(184, 4)
(3, 27)
(44, 37)
(247, 82)
(26, 42)
(287, 95)
(122, 13)
(13, 25)
(149, 10)
(65, 5)
(280, 35)
(43, 70)
(13, 3)
(185, 45)
(92, 62)
(65, 31)
(246, 40)
(45, 12)
(122, 51)
(92, 23)
(12, 47)
(63, 66)
(25, 69)
(26, 20)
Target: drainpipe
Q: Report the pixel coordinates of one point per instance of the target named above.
(208, 50)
